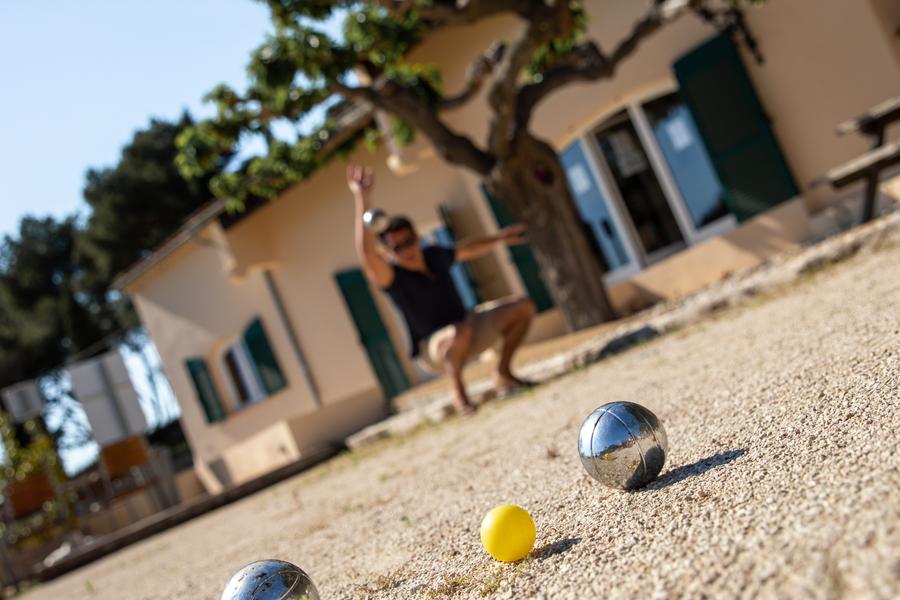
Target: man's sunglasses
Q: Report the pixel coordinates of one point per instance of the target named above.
(407, 243)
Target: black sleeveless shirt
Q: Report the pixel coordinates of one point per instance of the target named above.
(427, 302)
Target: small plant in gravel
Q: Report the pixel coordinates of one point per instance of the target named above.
(450, 586)
(380, 583)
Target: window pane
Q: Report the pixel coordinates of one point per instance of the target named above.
(237, 379)
(643, 196)
(678, 138)
(593, 208)
(264, 358)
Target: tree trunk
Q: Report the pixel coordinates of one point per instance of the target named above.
(531, 182)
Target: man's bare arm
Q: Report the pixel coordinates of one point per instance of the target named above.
(474, 247)
(361, 181)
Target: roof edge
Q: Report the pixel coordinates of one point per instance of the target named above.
(182, 235)
(351, 122)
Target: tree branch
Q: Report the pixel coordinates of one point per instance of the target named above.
(731, 21)
(585, 63)
(393, 98)
(588, 63)
(478, 72)
(458, 12)
(546, 21)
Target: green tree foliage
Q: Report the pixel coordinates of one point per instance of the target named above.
(56, 301)
(300, 67)
(56, 275)
(23, 461)
(137, 203)
(42, 320)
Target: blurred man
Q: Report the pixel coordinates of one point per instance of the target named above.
(417, 278)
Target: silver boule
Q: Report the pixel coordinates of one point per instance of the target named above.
(270, 580)
(376, 219)
(622, 445)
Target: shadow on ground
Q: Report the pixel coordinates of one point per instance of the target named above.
(625, 341)
(695, 468)
(553, 548)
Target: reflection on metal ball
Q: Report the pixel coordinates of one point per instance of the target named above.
(270, 580)
(376, 220)
(622, 445)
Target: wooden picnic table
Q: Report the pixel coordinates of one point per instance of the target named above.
(875, 121)
(880, 157)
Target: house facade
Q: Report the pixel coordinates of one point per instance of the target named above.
(692, 163)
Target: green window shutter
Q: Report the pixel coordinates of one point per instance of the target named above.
(372, 333)
(270, 375)
(522, 257)
(205, 388)
(717, 89)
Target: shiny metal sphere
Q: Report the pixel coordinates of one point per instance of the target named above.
(270, 580)
(622, 445)
(376, 219)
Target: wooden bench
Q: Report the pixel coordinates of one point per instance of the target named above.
(874, 121)
(872, 162)
(870, 165)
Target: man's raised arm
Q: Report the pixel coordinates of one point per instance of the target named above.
(361, 181)
(474, 247)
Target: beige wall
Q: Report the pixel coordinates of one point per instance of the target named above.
(779, 230)
(197, 302)
(833, 68)
(888, 15)
(310, 232)
(201, 297)
(826, 61)
(191, 309)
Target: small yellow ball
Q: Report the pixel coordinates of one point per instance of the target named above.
(507, 533)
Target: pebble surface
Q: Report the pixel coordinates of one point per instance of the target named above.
(783, 478)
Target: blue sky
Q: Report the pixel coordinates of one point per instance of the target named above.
(78, 78)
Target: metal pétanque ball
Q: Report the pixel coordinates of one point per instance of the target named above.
(376, 219)
(622, 445)
(270, 580)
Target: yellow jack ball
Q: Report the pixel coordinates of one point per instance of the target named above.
(507, 533)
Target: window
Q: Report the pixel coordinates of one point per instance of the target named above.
(645, 185)
(592, 204)
(241, 373)
(262, 358)
(638, 185)
(198, 371)
(249, 365)
(686, 156)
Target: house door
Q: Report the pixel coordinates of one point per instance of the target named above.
(643, 199)
(372, 333)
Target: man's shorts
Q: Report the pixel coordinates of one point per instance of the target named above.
(485, 333)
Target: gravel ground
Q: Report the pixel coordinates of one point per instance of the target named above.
(783, 478)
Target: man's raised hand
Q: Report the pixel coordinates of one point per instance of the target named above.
(360, 180)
